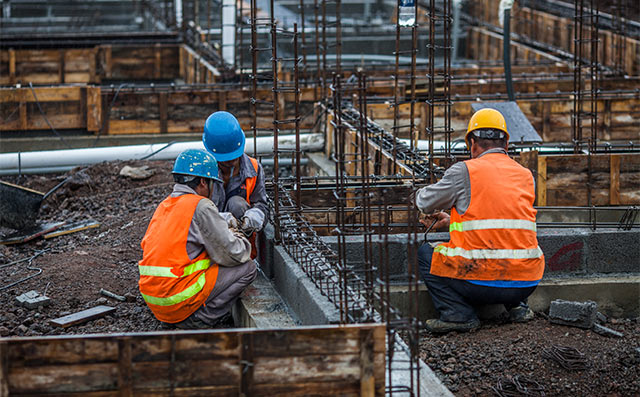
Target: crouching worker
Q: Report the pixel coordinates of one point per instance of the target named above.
(193, 266)
(493, 255)
(242, 191)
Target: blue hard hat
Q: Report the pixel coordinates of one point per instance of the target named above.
(196, 162)
(223, 136)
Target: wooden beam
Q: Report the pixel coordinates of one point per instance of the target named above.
(108, 66)
(125, 385)
(367, 376)
(12, 66)
(94, 109)
(4, 370)
(541, 182)
(614, 177)
(246, 364)
(61, 65)
(162, 109)
(157, 70)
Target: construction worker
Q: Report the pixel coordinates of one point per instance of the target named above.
(242, 191)
(193, 265)
(493, 254)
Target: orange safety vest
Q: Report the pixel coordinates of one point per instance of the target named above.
(173, 285)
(495, 239)
(250, 184)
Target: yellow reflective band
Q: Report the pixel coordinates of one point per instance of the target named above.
(163, 271)
(489, 253)
(197, 266)
(158, 271)
(492, 224)
(179, 297)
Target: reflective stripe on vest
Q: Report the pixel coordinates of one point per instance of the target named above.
(180, 296)
(161, 271)
(495, 239)
(492, 224)
(489, 253)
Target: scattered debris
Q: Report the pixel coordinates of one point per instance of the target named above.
(568, 357)
(32, 299)
(112, 295)
(83, 316)
(605, 331)
(518, 386)
(601, 318)
(72, 227)
(30, 234)
(575, 314)
(137, 173)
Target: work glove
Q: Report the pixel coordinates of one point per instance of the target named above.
(252, 221)
(231, 220)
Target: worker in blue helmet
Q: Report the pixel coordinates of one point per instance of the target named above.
(242, 191)
(194, 266)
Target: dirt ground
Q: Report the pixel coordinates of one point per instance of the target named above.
(75, 267)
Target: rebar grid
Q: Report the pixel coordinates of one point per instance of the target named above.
(583, 97)
(412, 78)
(439, 20)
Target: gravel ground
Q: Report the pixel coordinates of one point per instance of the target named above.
(75, 267)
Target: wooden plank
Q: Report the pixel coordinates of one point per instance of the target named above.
(247, 364)
(614, 175)
(93, 59)
(83, 316)
(157, 70)
(61, 71)
(12, 66)
(4, 370)
(108, 65)
(162, 109)
(94, 109)
(367, 377)
(541, 182)
(23, 115)
(124, 367)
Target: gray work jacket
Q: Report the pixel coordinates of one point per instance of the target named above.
(453, 190)
(209, 230)
(258, 198)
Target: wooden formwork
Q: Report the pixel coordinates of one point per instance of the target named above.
(563, 180)
(89, 65)
(326, 360)
(557, 31)
(618, 117)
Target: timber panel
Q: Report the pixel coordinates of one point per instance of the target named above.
(300, 361)
(562, 179)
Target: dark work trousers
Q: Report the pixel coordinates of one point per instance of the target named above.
(454, 299)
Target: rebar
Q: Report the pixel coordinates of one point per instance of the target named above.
(567, 357)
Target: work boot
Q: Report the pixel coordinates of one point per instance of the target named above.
(521, 314)
(437, 326)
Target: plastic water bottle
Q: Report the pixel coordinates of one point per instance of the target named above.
(407, 13)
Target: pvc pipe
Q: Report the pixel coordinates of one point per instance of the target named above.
(63, 160)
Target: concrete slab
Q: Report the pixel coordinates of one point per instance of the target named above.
(260, 306)
(575, 314)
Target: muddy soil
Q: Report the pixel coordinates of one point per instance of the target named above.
(491, 360)
(75, 267)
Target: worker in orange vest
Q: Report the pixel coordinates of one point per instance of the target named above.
(242, 192)
(193, 265)
(493, 254)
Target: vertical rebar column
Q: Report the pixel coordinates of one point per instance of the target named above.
(584, 98)
(238, 59)
(435, 100)
(397, 125)
(254, 75)
(317, 78)
(304, 42)
(618, 12)
(296, 80)
(276, 128)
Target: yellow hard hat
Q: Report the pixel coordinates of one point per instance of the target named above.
(486, 118)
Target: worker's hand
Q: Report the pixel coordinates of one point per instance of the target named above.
(231, 220)
(442, 219)
(252, 221)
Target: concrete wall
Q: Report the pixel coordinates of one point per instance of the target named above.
(567, 251)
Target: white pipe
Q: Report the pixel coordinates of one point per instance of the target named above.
(64, 160)
(229, 31)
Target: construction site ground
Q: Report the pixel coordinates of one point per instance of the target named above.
(75, 267)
